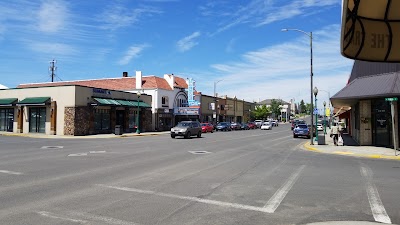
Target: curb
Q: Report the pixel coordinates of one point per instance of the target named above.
(308, 147)
(77, 137)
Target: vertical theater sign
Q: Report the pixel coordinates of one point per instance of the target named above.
(371, 30)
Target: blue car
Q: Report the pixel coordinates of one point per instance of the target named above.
(223, 126)
(301, 130)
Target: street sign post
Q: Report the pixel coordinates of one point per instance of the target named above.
(315, 111)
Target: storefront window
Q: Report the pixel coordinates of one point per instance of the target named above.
(102, 119)
(6, 119)
(132, 119)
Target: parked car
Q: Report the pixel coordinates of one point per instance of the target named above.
(207, 127)
(244, 126)
(235, 126)
(266, 126)
(274, 123)
(223, 126)
(301, 130)
(252, 125)
(258, 123)
(187, 129)
(295, 122)
(320, 127)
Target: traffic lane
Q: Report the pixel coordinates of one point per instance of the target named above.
(144, 203)
(80, 177)
(385, 176)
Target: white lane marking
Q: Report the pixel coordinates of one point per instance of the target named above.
(54, 216)
(78, 154)
(188, 198)
(96, 152)
(377, 208)
(280, 194)
(10, 172)
(88, 218)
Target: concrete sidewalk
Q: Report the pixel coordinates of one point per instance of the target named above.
(36, 135)
(351, 148)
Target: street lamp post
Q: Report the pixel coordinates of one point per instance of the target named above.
(316, 114)
(311, 75)
(329, 106)
(324, 118)
(215, 101)
(137, 115)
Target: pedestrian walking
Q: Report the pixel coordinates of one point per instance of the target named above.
(335, 133)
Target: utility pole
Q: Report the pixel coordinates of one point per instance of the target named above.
(52, 69)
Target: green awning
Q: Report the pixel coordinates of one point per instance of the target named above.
(7, 101)
(34, 101)
(105, 101)
(119, 102)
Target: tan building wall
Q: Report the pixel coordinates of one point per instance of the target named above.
(72, 101)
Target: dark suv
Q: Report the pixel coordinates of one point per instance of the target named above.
(187, 129)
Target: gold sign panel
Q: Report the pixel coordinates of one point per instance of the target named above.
(371, 30)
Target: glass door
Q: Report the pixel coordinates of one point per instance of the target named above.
(37, 120)
(382, 123)
(7, 119)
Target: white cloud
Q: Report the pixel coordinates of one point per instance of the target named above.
(53, 48)
(295, 8)
(263, 12)
(188, 42)
(118, 16)
(132, 52)
(283, 70)
(52, 16)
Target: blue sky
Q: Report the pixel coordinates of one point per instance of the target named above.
(237, 41)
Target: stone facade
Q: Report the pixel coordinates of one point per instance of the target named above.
(69, 120)
(365, 123)
(77, 120)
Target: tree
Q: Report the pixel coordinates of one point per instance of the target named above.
(261, 112)
(276, 107)
(308, 108)
(303, 107)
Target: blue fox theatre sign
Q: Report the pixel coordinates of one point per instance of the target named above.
(193, 105)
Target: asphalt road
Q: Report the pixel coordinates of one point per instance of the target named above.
(238, 177)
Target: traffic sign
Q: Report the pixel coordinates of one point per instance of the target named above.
(316, 111)
(393, 99)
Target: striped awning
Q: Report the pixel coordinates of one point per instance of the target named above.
(120, 102)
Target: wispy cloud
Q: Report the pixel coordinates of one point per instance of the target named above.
(188, 42)
(53, 48)
(118, 16)
(295, 8)
(133, 52)
(283, 70)
(52, 15)
(262, 12)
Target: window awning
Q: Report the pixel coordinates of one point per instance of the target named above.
(7, 101)
(34, 101)
(118, 102)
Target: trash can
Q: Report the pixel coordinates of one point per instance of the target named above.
(118, 130)
(321, 139)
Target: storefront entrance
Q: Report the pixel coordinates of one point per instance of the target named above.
(6, 119)
(382, 123)
(120, 118)
(37, 120)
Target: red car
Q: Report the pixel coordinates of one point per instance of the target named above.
(207, 127)
(252, 125)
